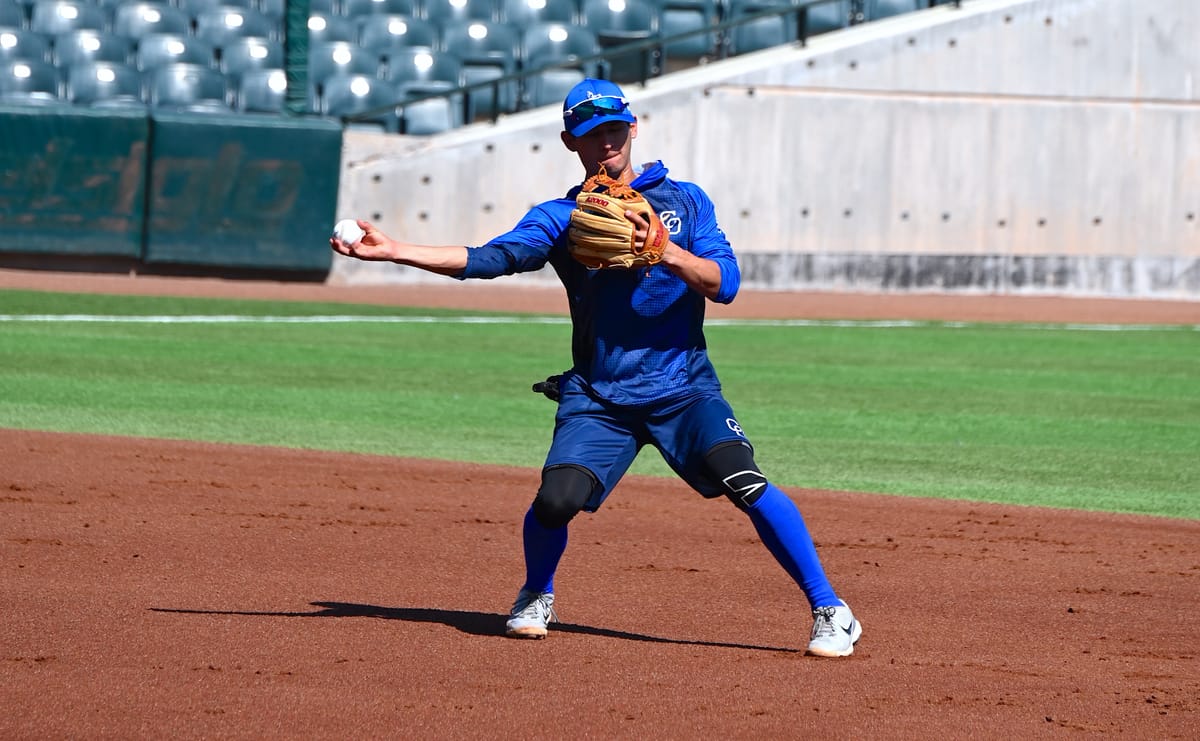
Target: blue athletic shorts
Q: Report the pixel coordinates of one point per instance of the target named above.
(604, 439)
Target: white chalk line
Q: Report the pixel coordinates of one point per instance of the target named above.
(250, 319)
(557, 320)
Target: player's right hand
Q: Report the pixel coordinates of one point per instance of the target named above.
(374, 244)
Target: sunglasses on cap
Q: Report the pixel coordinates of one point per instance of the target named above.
(586, 110)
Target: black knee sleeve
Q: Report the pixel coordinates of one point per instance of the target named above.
(564, 491)
(732, 464)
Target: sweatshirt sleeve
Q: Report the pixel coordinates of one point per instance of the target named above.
(710, 242)
(525, 248)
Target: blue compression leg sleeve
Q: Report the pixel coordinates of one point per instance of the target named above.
(544, 548)
(783, 532)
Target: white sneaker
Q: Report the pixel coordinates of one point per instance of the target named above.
(530, 615)
(835, 631)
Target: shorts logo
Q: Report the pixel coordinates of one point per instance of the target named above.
(672, 222)
(733, 425)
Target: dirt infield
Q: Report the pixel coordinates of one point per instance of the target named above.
(156, 589)
(497, 296)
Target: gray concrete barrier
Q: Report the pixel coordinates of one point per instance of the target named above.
(1013, 146)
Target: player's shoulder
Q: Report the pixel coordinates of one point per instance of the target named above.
(693, 190)
(682, 194)
(655, 175)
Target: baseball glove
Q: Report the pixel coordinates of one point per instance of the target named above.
(600, 236)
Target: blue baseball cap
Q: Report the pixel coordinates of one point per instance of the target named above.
(594, 102)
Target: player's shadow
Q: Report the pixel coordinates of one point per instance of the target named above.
(467, 621)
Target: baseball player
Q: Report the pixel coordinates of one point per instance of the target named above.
(641, 374)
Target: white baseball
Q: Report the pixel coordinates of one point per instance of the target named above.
(348, 231)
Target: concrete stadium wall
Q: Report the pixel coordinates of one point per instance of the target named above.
(1010, 146)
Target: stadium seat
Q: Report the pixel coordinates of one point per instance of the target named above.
(12, 14)
(247, 53)
(18, 43)
(482, 42)
(553, 43)
(195, 7)
(359, 8)
(276, 9)
(487, 50)
(188, 87)
(90, 45)
(261, 91)
(348, 94)
(618, 23)
(633, 16)
(325, 27)
(678, 17)
(383, 32)
(340, 58)
(876, 9)
(425, 116)
(29, 81)
(525, 13)
(137, 19)
(158, 49)
(440, 12)
(52, 17)
(104, 85)
(222, 24)
(423, 64)
(764, 32)
(488, 101)
(828, 17)
(558, 52)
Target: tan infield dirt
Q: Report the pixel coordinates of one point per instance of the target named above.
(161, 589)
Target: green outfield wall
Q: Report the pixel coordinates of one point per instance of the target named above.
(168, 189)
(73, 181)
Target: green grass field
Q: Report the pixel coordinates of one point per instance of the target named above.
(1038, 415)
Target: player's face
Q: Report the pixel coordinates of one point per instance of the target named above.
(608, 146)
